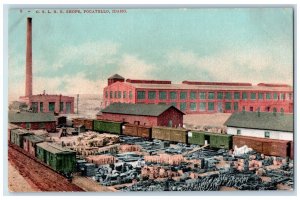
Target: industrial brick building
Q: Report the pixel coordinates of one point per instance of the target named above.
(42, 102)
(201, 97)
(143, 114)
(33, 121)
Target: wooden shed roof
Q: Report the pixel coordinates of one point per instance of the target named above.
(19, 117)
(137, 109)
(263, 121)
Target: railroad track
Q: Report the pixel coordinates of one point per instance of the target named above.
(41, 175)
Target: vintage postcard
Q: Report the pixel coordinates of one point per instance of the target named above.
(150, 99)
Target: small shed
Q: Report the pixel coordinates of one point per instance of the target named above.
(29, 143)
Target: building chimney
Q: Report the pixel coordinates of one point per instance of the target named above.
(28, 84)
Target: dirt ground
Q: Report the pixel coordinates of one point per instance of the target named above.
(90, 185)
(37, 174)
(216, 119)
(17, 183)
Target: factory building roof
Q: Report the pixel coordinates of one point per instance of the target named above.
(18, 117)
(207, 87)
(137, 109)
(54, 148)
(262, 120)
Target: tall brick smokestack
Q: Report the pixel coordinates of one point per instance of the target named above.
(28, 86)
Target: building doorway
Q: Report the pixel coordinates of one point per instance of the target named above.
(68, 107)
(170, 123)
(251, 109)
(220, 107)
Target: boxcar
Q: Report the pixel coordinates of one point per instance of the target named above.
(276, 147)
(214, 140)
(266, 146)
(196, 138)
(11, 127)
(219, 141)
(29, 143)
(108, 126)
(170, 134)
(251, 142)
(130, 129)
(137, 130)
(59, 158)
(17, 135)
(88, 123)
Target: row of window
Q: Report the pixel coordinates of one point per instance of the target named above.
(118, 94)
(51, 106)
(267, 133)
(209, 106)
(212, 95)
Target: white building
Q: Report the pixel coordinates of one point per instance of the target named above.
(262, 125)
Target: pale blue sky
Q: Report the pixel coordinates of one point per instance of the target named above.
(243, 44)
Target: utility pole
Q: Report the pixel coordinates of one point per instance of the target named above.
(77, 103)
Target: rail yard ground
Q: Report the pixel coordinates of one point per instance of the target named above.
(142, 165)
(125, 163)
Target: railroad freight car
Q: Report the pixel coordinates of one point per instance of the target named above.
(60, 159)
(11, 127)
(219, 141)
(108, 126)
(29, 143)
(195, 137)
(266, 146)
(17, 136)
(214, 140)
(88, 123)
(137, 130)
(169, 134)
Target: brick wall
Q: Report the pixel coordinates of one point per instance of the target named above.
(171, 114)
(48, 126)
